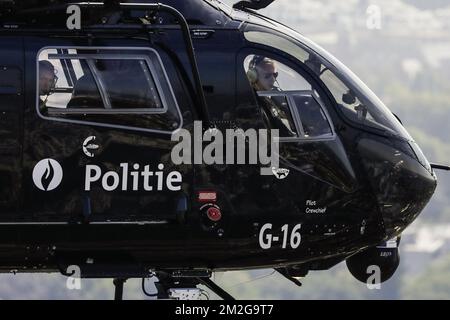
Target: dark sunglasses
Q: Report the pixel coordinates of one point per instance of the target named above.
(267, 76)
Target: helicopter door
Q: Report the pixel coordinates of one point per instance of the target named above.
(291, 102)
(11, 108)
(105, 122)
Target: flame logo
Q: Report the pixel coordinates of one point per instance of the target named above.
(47, 174)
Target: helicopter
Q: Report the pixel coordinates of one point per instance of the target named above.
(92, 95)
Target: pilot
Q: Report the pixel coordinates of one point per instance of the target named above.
(47, 80)
(262, 74)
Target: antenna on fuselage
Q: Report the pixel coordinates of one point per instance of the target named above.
(440, 167)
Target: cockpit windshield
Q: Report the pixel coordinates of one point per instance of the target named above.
(356, 101)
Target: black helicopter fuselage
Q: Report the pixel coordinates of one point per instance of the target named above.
(119, 208)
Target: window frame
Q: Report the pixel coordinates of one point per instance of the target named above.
(165, 94)
(296, 117)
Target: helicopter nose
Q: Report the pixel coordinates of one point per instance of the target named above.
(401, 179)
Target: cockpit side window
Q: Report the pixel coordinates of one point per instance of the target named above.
(355, 101)
(287, 100)
(107, 87)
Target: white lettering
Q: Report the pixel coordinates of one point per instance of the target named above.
(89, 178)
(146, 179)
(174, 177)
(265, 240)
(115, 181)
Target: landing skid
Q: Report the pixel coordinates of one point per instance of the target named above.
(179, 285)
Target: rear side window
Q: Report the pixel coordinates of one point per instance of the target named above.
(106, 87)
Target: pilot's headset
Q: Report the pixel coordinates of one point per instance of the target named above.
(252, 73)
(49, 67)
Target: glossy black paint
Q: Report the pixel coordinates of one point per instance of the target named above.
(372, 186)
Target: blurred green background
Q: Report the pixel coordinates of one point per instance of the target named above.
(406, 62)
